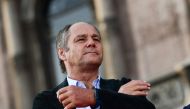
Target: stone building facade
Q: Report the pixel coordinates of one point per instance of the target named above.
(148, 40)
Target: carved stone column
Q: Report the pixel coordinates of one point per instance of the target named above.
(17, 72)
(4, 83)
(106, 14)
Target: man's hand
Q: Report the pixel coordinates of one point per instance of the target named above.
(72, 97)
(135, 87)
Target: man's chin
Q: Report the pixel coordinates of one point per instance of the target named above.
(92, 63)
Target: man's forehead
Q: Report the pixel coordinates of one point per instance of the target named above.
(78, 24)
(82, 27)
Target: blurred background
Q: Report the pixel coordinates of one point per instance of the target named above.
(143, 39)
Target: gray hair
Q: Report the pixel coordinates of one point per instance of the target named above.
(63, 37)
(61, 42)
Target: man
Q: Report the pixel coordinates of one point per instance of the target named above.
(80, 51)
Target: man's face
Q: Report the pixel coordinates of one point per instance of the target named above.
(84, 45)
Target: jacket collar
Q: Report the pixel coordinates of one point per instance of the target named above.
(63, 84)
(104, 84)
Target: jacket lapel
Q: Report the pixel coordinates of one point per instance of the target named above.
(58, 105)
(63, 84)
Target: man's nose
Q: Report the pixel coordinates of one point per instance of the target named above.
(91, 43)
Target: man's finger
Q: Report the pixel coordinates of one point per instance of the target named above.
(70, 106)
(138, 88)
(140, 82)
(63, 96)
(66, 102)
(140, 93)
(60, 91)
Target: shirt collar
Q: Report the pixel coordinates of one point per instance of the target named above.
(95, 83)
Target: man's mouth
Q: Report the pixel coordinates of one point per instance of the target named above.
(90, 53)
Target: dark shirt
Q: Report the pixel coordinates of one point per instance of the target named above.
(107, 96)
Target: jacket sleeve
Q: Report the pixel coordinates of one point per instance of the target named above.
(187, 107)
(113, 100)
(45, 100)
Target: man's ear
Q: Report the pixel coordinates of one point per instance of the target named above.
(61, 54)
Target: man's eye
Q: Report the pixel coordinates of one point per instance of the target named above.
(81, 40)
(97, 39)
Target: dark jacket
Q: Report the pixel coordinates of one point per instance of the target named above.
(108, 97)
(187, 107)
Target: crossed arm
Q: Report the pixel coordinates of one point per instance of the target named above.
(133, 93)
